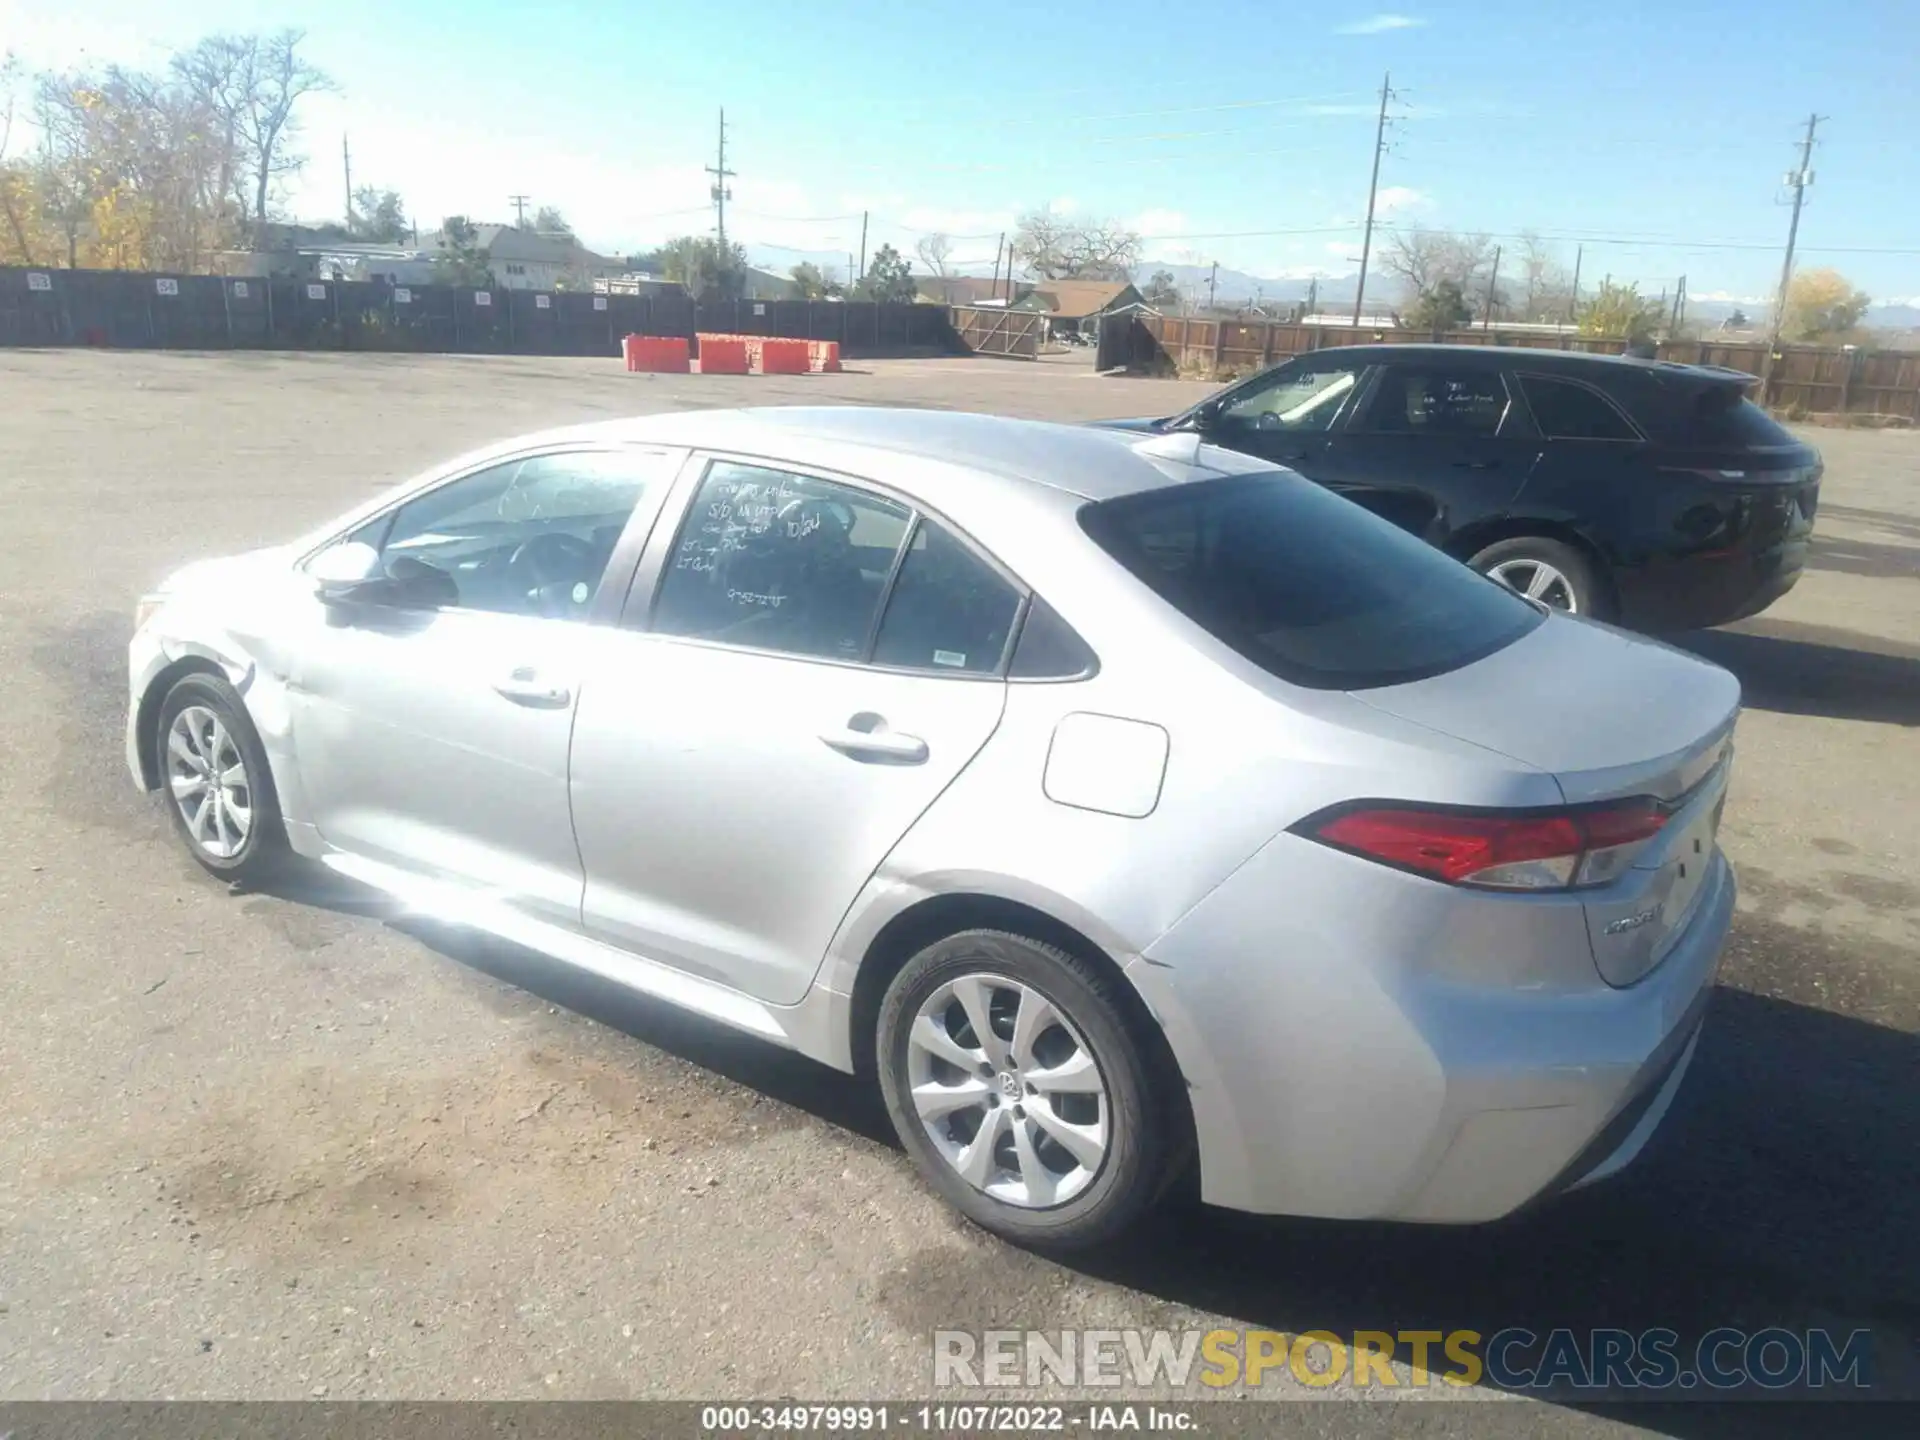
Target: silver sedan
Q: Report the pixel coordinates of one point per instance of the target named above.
(1128, 808)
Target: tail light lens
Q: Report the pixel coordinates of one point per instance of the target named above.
(1522, 851)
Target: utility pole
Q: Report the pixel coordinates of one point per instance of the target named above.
(346, 164)
(1673, 322)
(996, 268)
(1573, 301)
(1798, 180)
(1313, 295)
(1213, 275)
(1493, 281)
(519, 203)
(721, 191)
(863, 244)
(1373, 192)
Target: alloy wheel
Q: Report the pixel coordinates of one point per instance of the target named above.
(1537, 580)
(1008, 1091)
(208, 779)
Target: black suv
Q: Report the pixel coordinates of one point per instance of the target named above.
(1652, 494)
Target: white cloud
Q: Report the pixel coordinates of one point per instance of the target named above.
(1159, 231)
(1064, 205)
(1726, 297)
(1395, 198)
(1379, 25)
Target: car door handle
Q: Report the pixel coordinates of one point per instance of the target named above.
(866, 737)
(525, 687)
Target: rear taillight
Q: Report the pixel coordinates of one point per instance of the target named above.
(1519, 851)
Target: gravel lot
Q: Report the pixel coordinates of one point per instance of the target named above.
(280, 1147)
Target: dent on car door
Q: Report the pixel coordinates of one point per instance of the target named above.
(1435, 446)
(431, 722)
(1288, 415)
(820, 662)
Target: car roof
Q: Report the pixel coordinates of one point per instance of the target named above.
(1527, 357)
(1079, 460)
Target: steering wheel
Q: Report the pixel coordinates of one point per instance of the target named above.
(551, 566)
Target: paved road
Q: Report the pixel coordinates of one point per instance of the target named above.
(280, 1147)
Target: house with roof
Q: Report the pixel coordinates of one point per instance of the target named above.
(1078, 305)
(970, 289)
(530, 260)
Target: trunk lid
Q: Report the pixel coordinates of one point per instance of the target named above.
(1611, 716)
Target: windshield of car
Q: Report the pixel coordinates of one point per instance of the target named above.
(1308, 586)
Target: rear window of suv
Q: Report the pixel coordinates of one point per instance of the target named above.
(1306, 585)
(1721, 416)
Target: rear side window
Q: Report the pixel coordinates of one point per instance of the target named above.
(1306, 585)
(777, 561)
(1436, 400)
(1566, 411)
(949, 609)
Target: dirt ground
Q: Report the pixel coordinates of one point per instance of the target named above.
(282, 1147)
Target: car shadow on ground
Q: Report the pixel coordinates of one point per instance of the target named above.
(1800, 669)
(1779, 1192)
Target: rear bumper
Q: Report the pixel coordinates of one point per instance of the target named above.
(1705, 590)
(1366, 1086)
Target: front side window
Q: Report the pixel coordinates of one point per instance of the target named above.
(1308, 586)
(777, 561)
(1564, 410)
(525, 537)
(1436, 400)
(1297, 399)
(949, 609)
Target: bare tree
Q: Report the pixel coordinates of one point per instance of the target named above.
(220, 72)
(548, 220)
(1545, 281)
(933, 251)
(279, 79)
(13, 190)
(1422, 258)
(1058, 249)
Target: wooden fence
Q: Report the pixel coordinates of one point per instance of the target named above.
(1804, 379)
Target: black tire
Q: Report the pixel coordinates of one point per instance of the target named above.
(264, 851)
(1146, 1147)
(1590, 594)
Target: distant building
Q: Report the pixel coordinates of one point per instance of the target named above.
(635, 283)
(529, 260)
(970, 289)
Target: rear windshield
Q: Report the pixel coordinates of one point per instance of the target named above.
(1722, 416)
(1308, 586)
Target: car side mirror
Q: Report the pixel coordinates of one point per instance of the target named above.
(339, 571)
(1206, 415)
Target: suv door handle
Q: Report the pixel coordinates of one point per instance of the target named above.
(866, 737)
(525, 687)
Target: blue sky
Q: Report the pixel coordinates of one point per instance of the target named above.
(1224, 130)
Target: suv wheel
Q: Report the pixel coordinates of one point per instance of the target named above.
(1549, 571)
(1016, 1081)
